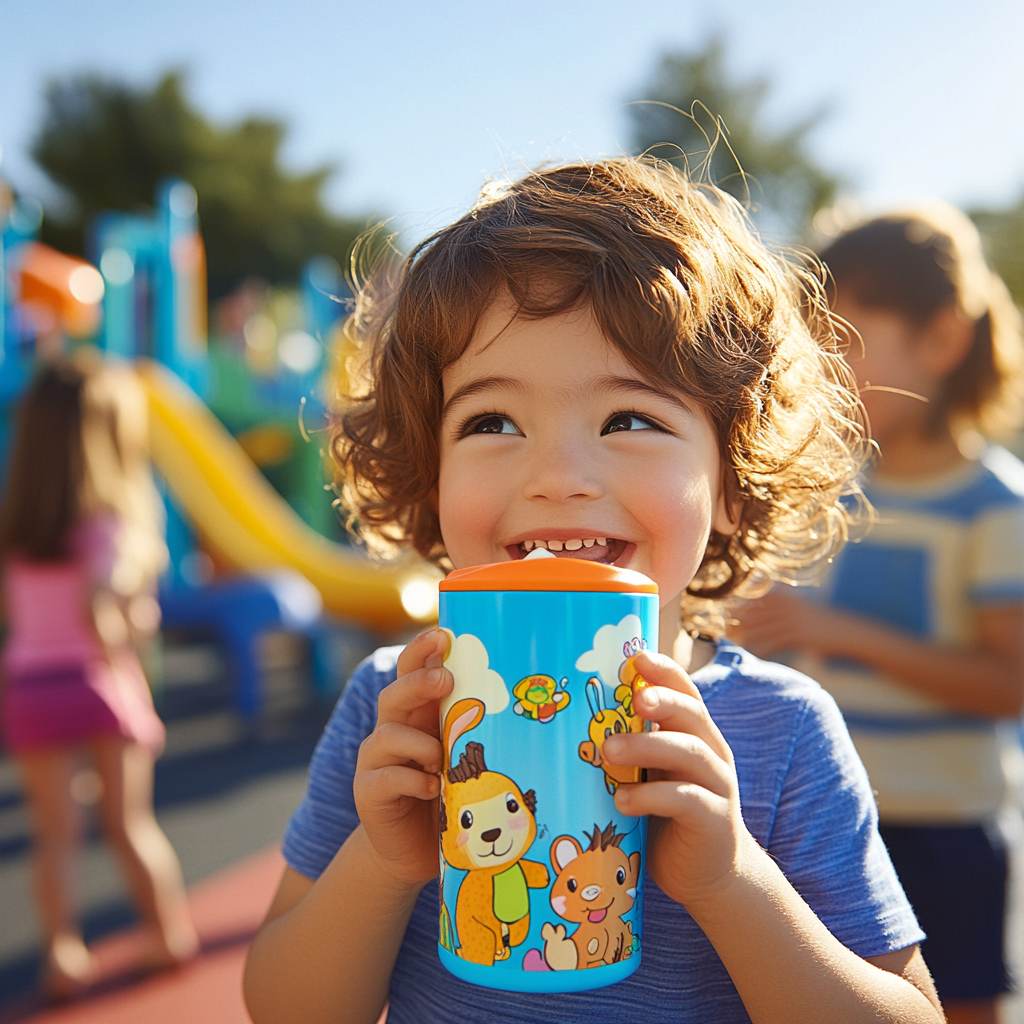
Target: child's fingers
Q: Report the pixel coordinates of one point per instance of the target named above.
(380, 788)
(410, 693)
(670, 799)
(425, 651)
(682, 756)
(395, 743)
(661, 670)
(679, 712)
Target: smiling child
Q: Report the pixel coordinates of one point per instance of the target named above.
(604, 361)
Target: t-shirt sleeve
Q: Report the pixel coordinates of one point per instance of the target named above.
(825, 839)
(327, 814)
(996, 556)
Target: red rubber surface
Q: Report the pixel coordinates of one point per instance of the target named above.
(227, 908)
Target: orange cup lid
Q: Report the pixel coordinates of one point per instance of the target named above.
(549, 574)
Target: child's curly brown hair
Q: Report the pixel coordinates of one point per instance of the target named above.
(681, 285)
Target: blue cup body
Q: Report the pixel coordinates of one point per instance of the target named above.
(541, 877)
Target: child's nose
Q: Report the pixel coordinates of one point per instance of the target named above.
(563, 470)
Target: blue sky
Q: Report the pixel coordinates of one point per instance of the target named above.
(419, 102)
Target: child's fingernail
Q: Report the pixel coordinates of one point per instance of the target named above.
(648, 697)
(611, 747)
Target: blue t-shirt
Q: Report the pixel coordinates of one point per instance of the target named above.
(804, 796)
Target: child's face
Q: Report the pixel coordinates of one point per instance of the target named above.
(893, 355)
(550, 437)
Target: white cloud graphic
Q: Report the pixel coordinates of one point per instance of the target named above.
(606, 657)
(467, 661)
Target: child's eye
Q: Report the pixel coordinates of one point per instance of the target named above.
(627, 421)
(490, 423)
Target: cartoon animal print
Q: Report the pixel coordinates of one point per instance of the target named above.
(487, 825)
(540, 697)
(603, 723)
(446, 932)
(630, 681)
(595, 887)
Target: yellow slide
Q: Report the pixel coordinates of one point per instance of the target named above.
(247, 524)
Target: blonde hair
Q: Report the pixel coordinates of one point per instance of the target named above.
(916, 263)
(682, 287)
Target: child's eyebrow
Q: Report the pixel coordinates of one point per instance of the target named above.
(638, 386)
(479, 386)
(610, 382)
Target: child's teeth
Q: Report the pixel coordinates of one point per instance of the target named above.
(589, 543)
(573, 545)
(529, 544)
(554, 545)
(602, 540)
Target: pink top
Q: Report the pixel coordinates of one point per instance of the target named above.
(48, 603)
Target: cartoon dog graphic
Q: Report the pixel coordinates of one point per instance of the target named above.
(487, 825)
(540, 697)
(606, 721)
(594, 888)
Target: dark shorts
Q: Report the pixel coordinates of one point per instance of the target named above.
(955, 879)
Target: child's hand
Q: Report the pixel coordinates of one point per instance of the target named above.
(397, 780)
(782, 622)
(697, 838)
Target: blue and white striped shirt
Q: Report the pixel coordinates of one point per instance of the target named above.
(942, 549)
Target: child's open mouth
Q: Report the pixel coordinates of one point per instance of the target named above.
(592, 549)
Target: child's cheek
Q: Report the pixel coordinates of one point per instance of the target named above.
(462, 839)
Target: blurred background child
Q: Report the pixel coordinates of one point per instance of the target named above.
(82, 547)
(919, 630)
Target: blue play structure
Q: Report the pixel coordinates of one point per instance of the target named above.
(154, 302)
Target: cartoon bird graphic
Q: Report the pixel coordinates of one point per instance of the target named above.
(540, 698)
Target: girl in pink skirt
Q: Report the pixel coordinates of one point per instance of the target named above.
(81, 545)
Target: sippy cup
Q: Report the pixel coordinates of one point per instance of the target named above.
(541, 877)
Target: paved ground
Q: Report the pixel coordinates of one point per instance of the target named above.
(223, 792)
(227, 909)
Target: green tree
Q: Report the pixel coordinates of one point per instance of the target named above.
(1003, 234)
(108, 145)
(695, 112)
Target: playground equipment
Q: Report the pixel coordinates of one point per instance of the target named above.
(154, 270)
(151, 284)
(246, 525)
(43, 294)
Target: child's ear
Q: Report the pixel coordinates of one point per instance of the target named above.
(729, 506)
(945, 342)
